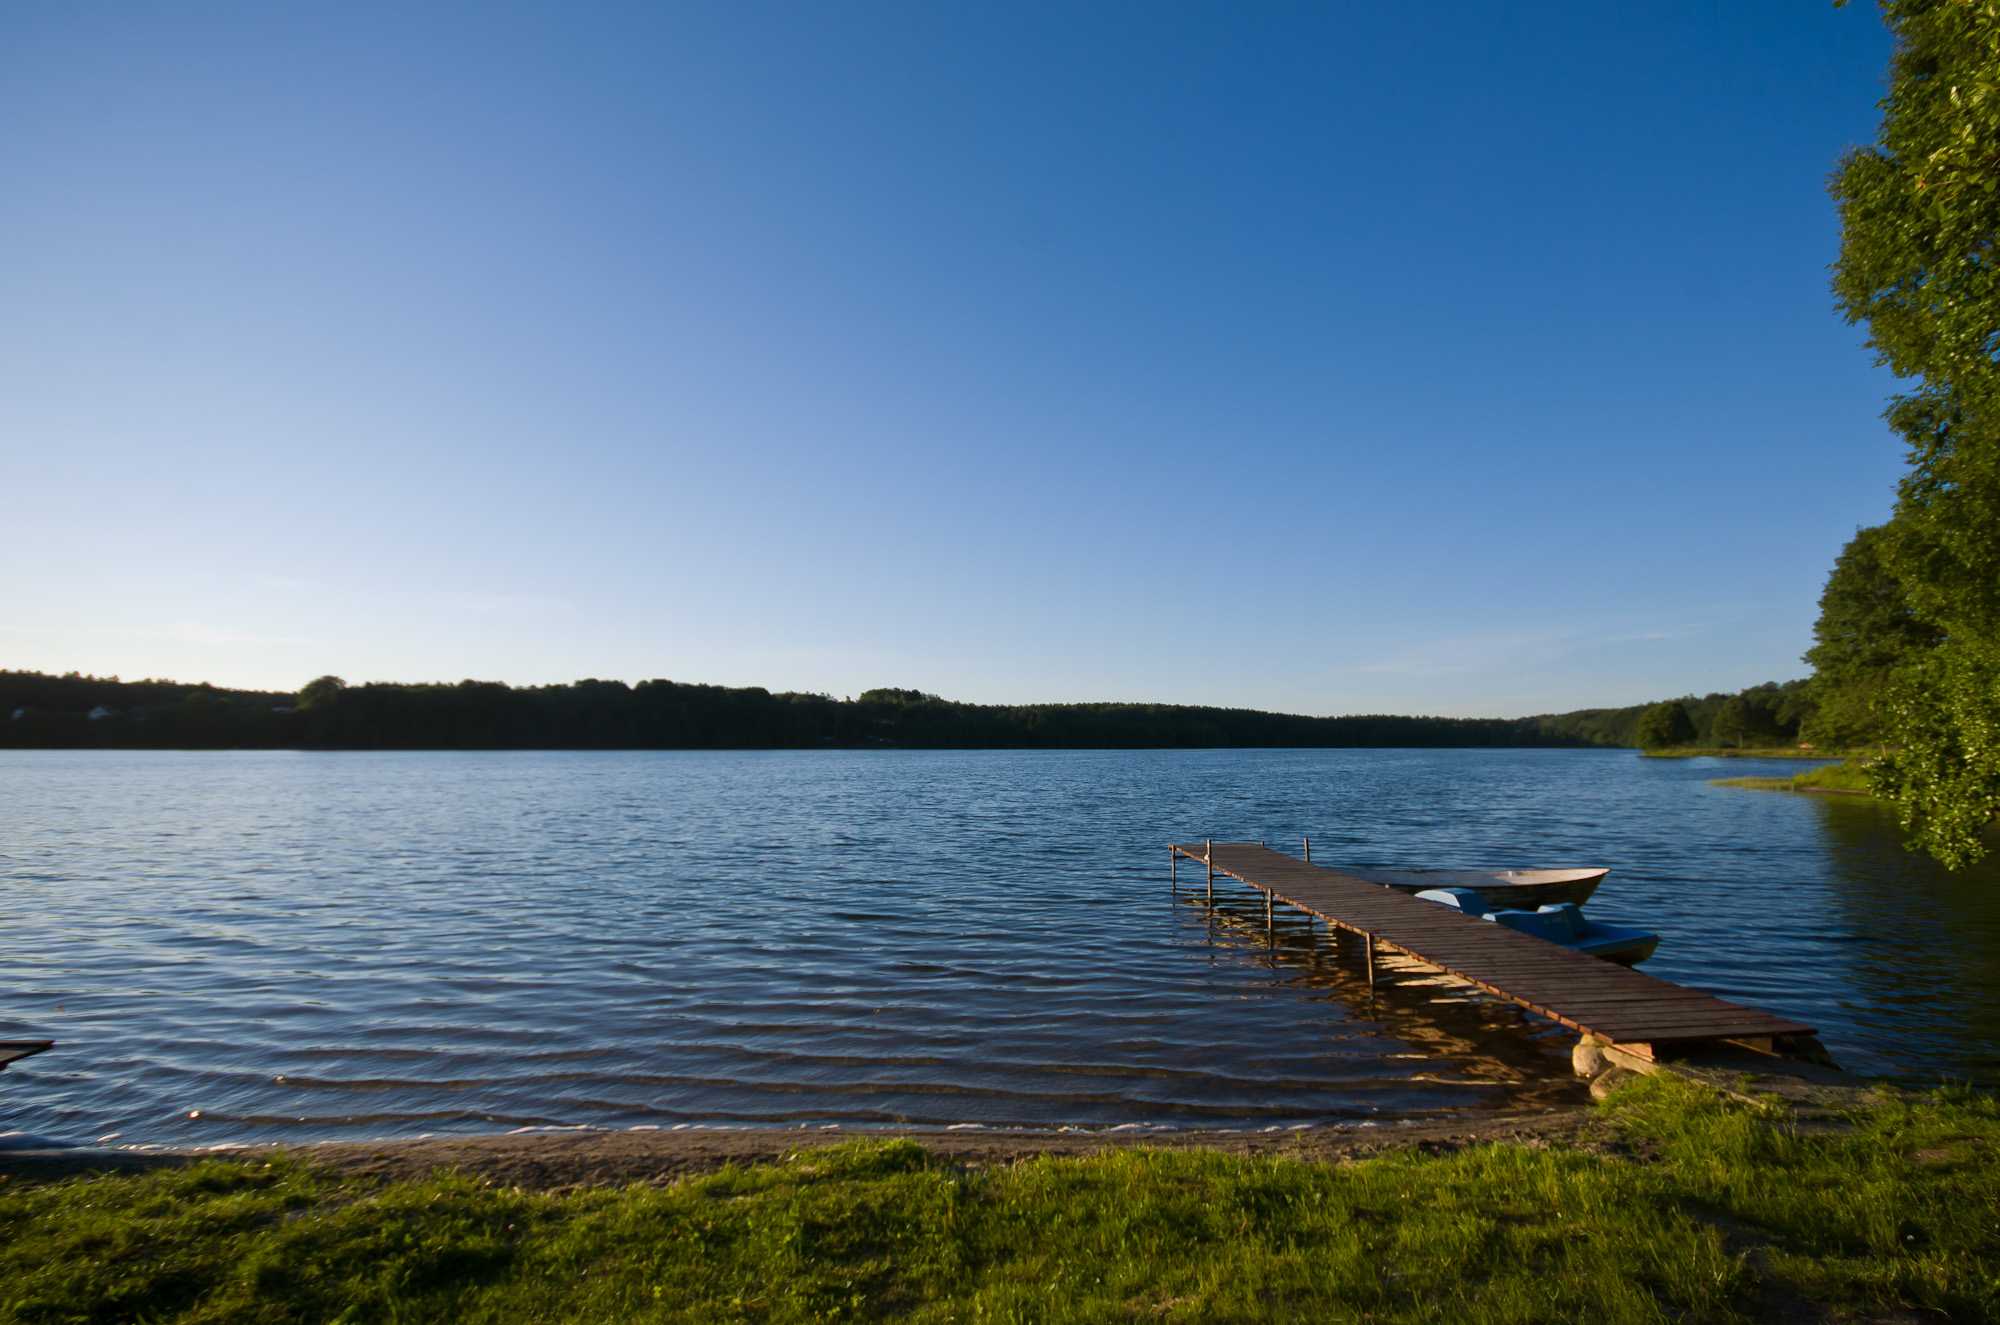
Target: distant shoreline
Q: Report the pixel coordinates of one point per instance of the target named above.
(74, 711)
(880, 748)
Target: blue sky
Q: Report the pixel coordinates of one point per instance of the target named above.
(1467, 360)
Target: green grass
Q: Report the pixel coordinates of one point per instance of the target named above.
(1733, 752)
(1701, 1209)
(1845, 778)
(1833, 777)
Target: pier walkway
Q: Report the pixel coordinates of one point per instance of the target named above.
(1639, 1014)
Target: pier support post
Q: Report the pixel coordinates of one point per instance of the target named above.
(1208, 855)
(1173, 870)
(1270, 934)
(1309, 851)
(1368, 941)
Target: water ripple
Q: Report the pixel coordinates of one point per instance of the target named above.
(242, 946)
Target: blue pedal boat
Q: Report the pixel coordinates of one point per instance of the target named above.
(1564, 923)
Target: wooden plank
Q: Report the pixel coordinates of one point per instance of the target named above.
(1638, 1028)
(1572, 988)
(1672, 994)
(1629, 1026)
(1702, 1035)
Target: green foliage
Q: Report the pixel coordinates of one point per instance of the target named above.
(1665, 724)
(1848, 777)
(323, 690)
(1734, 723)
(1920, 214)
(1753, 718)
(891, 695)
(1918, 208)
(1944, 772)
(597, 714)
(1756, 784)
(1770, 715)
(1865, 632)
(1704, 1209)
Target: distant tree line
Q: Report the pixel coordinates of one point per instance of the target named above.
(76, 711)
(1762, 716)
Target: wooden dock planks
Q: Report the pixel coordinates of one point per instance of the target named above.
(1594, 997)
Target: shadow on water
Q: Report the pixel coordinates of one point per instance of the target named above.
(1468, 1038)
(1924, 941)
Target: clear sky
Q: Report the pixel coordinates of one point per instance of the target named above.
(1469, 359)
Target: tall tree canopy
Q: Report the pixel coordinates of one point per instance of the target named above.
(1866, 634)
(1920, 214)
(1665, 724)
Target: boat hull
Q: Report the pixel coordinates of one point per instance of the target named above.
(1509, 889)
(1625, 950)
(1564, 925)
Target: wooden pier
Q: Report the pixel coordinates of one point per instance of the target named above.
(1641, 1015)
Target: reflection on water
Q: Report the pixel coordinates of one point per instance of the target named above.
(1921, 956)
(246, 945)
(1468, 1038)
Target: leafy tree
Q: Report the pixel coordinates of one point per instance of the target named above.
(1865, 632)
(1920, 264)
(893, 695)
(1945, 774)
(1780, 712)
(323, 690)
(1733, 721)
(1665, 724)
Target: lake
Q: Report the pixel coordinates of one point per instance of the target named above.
(290, 946)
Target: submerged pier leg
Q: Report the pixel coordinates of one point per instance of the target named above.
(1368, 951)
(1309, 851)
(1208, 855)
(1270, 934)
(1173, 870)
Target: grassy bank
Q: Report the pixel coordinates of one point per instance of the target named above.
(1693, 1208)
(1846, 779)
(1732, 752)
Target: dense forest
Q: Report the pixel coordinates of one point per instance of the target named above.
(1907, 649)
(76, 711)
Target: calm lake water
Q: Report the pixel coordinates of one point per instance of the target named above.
(286, 946)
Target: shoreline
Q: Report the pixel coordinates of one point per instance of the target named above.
(1755, 752)
(1671, 1198)
(572, 1158)
(1786, 784)
(1846, 778)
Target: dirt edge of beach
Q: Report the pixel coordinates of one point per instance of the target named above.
(552, 1161)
